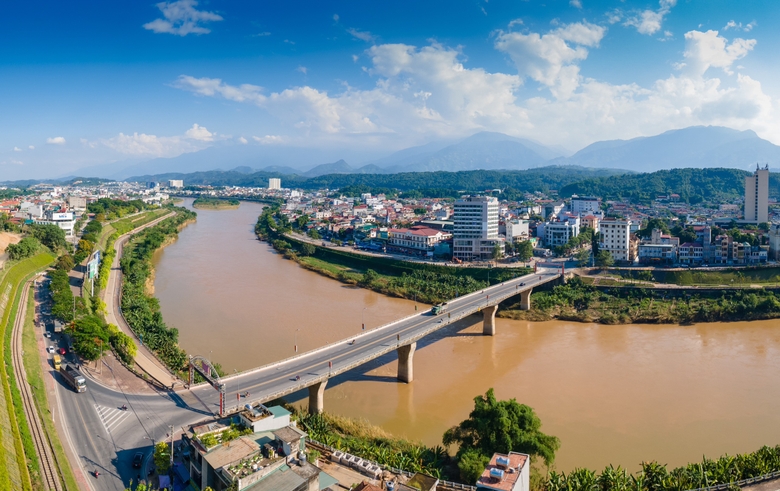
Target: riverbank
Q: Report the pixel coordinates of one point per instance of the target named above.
(141, 310)
(428, 283)
(215, 203)
(581, 302)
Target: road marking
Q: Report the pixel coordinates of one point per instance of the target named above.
(111, 417)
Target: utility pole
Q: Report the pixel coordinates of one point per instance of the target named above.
(171, 468)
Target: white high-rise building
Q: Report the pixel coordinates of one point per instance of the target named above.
(615, 237)
(757, 196)
(274, 183)
(475, 228)
(176, 183)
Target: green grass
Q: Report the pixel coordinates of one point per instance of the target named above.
(104, 235)
(32, 366)
(14, 474)
(127, 224)
(330, 269)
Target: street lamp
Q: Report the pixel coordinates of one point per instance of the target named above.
(238, 389)
(296, 339)
(363, 318)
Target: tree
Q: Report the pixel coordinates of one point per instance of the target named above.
(498, 251)
(65, 262)
(90, 337)
(314, 234)
(301, 221)
(471, 464)
(524, 250)
(162, 457)
(122, 343)
(604, 259)
(51, 236)
(369, 277)
(653, 223)
(583, 256)
(501, 426)
(308, 249)
(25, 248)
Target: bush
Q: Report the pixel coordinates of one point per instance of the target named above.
(65, 262)
(51, 236)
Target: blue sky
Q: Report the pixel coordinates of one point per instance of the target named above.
(86, 83)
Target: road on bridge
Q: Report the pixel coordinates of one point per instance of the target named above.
(281, 378)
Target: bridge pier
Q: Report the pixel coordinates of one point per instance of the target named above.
(316, 397)
(489, 320)
(406, 362)
(525, 299)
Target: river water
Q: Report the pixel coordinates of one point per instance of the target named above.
(612, 394)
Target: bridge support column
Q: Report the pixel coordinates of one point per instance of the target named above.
(316, 397)
(525, 299)
(489, 320)
(406, 362)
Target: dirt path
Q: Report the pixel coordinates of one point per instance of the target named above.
(7, 238)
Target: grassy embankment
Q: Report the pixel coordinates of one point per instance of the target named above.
(216, 203)
(32, 365)
(19, 467)
(124, 225)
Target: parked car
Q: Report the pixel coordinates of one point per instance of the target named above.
(62, 351)
(50, 349)
(138, 458)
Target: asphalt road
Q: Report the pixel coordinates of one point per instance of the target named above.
(279, 379)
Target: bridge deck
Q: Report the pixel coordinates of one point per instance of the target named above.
(279, 378)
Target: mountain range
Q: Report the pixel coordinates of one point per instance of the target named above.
(697, 146)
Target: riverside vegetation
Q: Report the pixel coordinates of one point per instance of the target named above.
(215, 203)
(427, 283)
(578, 301)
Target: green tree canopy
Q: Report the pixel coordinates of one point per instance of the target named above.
(652, 224)
(162, 457)
(524, 250)
(604, 259)
(51, 236)
(502, 426)
(25, 248)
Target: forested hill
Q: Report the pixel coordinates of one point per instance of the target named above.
(428, 183)
(693, 185)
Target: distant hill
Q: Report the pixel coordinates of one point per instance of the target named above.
(339, 167)
(697, 147)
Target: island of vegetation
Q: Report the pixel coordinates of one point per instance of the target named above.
(204, 202)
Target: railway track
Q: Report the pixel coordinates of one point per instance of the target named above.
(48, 462)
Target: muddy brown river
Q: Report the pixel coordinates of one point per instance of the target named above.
(612, 394)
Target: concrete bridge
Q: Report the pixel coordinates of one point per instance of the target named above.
(313, 369)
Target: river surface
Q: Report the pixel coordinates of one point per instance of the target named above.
(612, 394)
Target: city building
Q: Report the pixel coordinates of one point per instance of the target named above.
(591, 221)
(176, 183)
(271, 458)
(657, 253)
(757, 196)
(615, 238)
(77, 202)
(584, 205)
(774, 242)
(506, 472)
(559, 233)
(274, 183)
(475, 230)
(418, 240)
(516, 229)
(65, 221)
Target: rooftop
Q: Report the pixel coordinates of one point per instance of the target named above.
(503, 471)
(232, 451)
(289, 434)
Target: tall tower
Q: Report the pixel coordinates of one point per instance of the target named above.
(757, 196)
(475, 227)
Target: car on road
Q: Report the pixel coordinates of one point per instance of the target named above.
(522, 284)
(62, 351)
(138, 458)
(50, 349)
(47, 334)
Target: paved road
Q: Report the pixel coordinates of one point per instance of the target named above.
(279, 379)
(144, 359)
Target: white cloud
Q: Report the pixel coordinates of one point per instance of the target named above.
(302, 69)
(355, 58)
(425, 92)
(362, 35)
(182, 18)
(738, 26)
(707, 49)
(57, 140)
(31, 147)
(199, 133)
(336, 17)
(17, 149)
(551, 59)
(576, 4)
(11, 162)
(268, 139)
(242, 140)
(650, 21)
(261, 34)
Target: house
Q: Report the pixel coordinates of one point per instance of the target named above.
(506, 472)
(419, 240)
